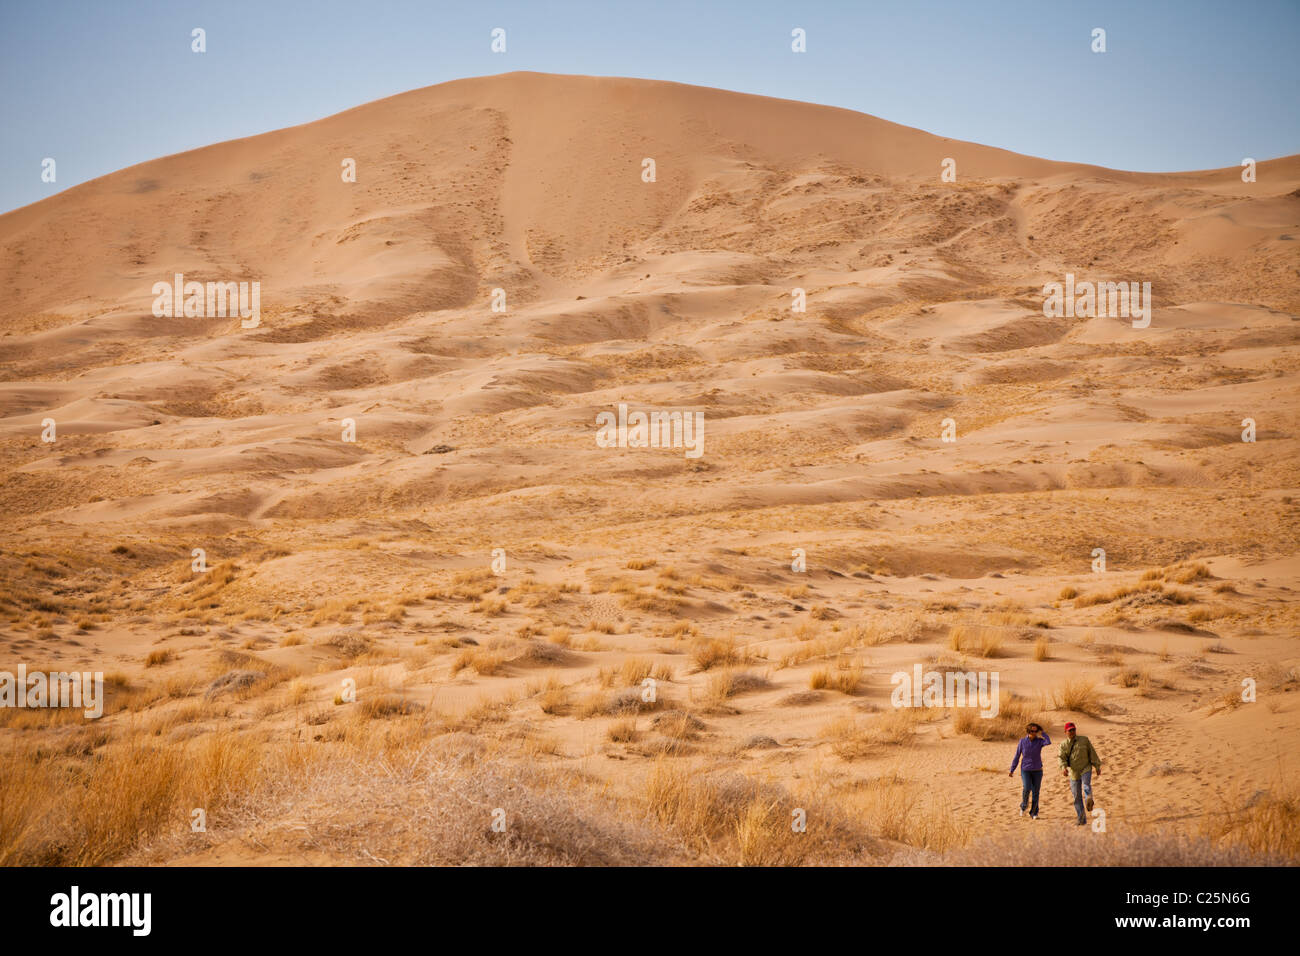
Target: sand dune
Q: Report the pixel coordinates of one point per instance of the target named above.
(476, 430)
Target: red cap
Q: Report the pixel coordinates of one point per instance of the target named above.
(1069, 726)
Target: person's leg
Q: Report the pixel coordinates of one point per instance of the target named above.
(1086, 780)
(1076, 791)
(1024, 791)
(1035, 784)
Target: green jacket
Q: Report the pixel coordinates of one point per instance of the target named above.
(1078, 755)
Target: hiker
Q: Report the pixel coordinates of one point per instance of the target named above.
(1029, 754)
(1078, 761)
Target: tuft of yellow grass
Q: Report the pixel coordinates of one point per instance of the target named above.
(483, 661)
(1268, 825)
(982, 641)
(715, 652)
(846, 679)
(622, 731)
(1079, 695)
(159, 657)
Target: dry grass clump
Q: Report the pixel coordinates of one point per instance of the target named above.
(846, 678)
(551, 694)
(634, 671)
(730, 819)
(1068, 593)
(1229, 701)
(159, 657)
(853, 737)
(490, 607)
(622, 731)
(715, 652)
(485, 662)
(348, 644)
(1013, 714)
(906, 811)
(388, 705)
(982, 641)
(868, 635)
(57, 811)
(333, 611)
(1268, 825)
(631, 700)
(1042, 649)
(1080, 847)
(1189, 573)
(829, 646)
(1079, 695)
(652, 603)
(724, 685)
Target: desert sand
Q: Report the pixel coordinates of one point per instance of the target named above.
(352, 680)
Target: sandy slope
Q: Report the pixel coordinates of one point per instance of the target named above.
(475, 429)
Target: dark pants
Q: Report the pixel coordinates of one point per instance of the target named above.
(1031, 781)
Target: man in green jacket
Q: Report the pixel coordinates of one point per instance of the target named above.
(1078, 761)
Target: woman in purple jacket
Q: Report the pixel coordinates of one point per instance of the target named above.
(1029, 755)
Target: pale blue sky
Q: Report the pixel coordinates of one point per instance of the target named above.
(103, 84)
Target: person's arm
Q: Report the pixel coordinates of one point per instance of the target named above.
(1016, 759)
(1047, 741)
(1096, 760)
(1060, 755)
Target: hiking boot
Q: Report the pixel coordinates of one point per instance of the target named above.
(1033, 816)
(1081, 822)
(1022, 811)
(1088, 803)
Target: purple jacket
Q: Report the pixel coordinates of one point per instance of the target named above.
(1032, 751)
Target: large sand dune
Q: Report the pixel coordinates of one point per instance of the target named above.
(476, 430)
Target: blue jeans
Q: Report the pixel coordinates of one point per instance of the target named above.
(1079, 789)
(1030, 783)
